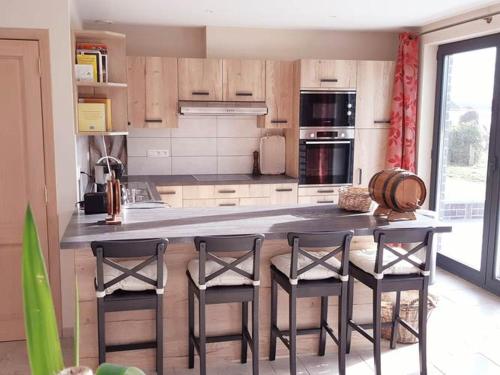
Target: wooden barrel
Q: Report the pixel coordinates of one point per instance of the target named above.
(397, 189)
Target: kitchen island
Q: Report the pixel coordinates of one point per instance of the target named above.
(180, 226)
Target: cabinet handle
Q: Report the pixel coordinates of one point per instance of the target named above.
(326, 191)
(244, 93)
(382, 121)
(321, 202)
(227, 191)
(279, 121)
(157, 120)
(200, 93)
(360, 176)
(169, 193)
(282, 190)
(227, 204)
(329, 80)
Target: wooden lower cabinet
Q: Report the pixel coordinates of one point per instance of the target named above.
(284, 194)
(318, 199)
(201, 203)
(171, 195)
(228, 195)
(258, 201)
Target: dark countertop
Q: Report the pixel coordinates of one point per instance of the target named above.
(210, 179)
(180, 225)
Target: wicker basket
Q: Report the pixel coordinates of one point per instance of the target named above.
(355, 199)
(408, 312)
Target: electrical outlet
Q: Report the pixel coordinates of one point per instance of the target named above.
(158, 153)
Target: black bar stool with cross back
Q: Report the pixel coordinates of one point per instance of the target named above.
(120, 287)
(317, 267)
(392, 268)
(217, 279)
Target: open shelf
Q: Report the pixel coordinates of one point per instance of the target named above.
(115, 89)
(111, 85)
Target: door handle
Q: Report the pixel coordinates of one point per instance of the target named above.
(244, 93)
(329, 80)
(493, 163)
(282, 190)
(360, 176)
(227, 204)
(227, 191)
(200, 93)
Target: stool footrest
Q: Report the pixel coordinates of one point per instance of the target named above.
(407, 326)
(132, 346)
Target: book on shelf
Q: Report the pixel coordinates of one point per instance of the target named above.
(107, 109)
(91, 117)
(100, 51)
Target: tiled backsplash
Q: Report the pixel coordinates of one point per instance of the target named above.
(200, 145)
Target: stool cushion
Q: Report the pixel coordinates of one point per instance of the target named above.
(131, 283)
(227, 278)
(365, 259)
(283, 263)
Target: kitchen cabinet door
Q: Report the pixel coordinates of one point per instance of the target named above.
(171, 195)
(152, 92)
(374, 93)
(244, 80)
(200, 79)
(284, 194)
(328, 74)
(370, 147)
(136, 91)
(279, 95)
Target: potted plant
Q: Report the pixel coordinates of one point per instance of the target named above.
(42, 337)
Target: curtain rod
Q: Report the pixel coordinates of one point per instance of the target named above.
(487, 17)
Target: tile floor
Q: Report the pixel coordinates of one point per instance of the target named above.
(464, 338)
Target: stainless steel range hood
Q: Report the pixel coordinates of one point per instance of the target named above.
(222, 108)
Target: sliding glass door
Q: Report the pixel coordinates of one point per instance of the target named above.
(466, 147)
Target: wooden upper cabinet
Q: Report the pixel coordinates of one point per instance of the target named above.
(152, 92)
(200, 79)
(374, 93)
(328, 74)
(279, 94)
(244, 80)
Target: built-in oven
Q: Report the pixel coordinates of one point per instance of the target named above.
(327, 108)
(326, 156)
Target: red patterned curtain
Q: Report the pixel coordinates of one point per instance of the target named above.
(402, 135)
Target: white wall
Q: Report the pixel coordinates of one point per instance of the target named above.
(54, 15)
(152, 40)
(427, 88)
(296, 44)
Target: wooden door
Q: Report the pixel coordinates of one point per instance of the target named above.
(374, 93)
(370, 147)
(23, 172)
(152, 92)
(244, 80)
(328, 74)
(279, 95)
(200, 79)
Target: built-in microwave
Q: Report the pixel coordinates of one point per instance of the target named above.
(327, 108)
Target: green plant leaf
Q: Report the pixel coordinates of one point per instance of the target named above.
(110, 369)
(44, 347)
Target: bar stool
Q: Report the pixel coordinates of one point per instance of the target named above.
(307, 273)
(214, 280)
(125, 284)
(391, 268)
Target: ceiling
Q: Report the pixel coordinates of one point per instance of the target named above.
(289, 14)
